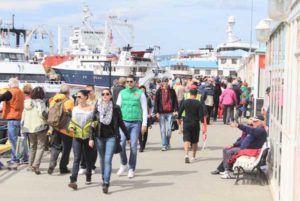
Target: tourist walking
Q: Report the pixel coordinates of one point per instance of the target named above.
(228, 100)
(133, 105)
(13, 107)
(61, 137)
(107, 135)
(92, 100)
(144, 136)
(208, 99)
(194, 113)
(34, 124)
(80, 128)
(165, 105)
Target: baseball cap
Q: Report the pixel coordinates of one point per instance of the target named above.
(257, 118)
(193, 87)
(165, 78)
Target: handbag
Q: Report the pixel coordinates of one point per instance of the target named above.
(20, 146)
(118, 148)
(174, 125)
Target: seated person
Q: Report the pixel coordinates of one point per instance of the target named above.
(256, 137)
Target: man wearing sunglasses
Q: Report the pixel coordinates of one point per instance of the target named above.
(133, 105)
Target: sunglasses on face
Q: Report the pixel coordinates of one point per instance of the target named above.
(129, 81)
(105, 94)
(79, 97)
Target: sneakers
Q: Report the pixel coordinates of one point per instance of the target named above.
(226, 175)
(122, 170)
(66, 171)
(130, 173)
(187, 160)
(164, 149)
(88, 180)
(82, 171)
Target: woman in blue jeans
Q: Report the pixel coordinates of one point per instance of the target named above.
(109, 120)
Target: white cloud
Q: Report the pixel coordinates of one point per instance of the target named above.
(27, 4)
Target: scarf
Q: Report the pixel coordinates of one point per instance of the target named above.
(105, 112)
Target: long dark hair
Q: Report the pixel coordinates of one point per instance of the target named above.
(37, 93)
(107, 89)
(143, 87)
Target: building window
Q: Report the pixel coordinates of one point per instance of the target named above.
(234, 61)
(223, 61)
(197, 71)
(207, 72)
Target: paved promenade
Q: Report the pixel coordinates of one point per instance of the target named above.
(159, 176)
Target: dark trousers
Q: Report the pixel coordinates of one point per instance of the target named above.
(228, 114)
(209, 110)
(60, 143)
(220, 168)
(216, 110)
(81, 146)
(94, 156)
(143, 140)
(227, 153)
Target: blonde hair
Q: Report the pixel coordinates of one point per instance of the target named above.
(27, 88)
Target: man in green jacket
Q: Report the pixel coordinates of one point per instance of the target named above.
(133, 105)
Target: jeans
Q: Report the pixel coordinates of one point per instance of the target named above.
(228, 114)
(80, 145)
(13, 130)
(227, 153)
(61, 143)
(165, 123)
(106, 149)
(134, 128)
(209, 110)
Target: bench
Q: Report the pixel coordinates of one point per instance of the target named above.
(252, 166)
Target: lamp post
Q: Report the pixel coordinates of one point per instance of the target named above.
(107, 65)
(262, 35)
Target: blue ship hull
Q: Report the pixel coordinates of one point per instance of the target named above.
(85, 78)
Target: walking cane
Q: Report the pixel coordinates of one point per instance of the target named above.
(204, 131)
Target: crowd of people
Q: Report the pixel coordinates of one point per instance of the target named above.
(103, 126)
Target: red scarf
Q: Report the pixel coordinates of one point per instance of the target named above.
(166, 100)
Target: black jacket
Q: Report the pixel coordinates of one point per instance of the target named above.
(116, 91)
(116, 120)
(158, 101)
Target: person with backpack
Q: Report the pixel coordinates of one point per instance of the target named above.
(34, 124)
(208, 99)
(80, 128)
(107, 134)
(59, 118)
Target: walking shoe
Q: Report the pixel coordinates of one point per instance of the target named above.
(88, 180)
(130, 173)
(141, 149)
(164, 149)
(65, 171)
(105, 188)
(73, 185)
(226, 175)
(187, 160)
(36, 170)
(82, 171)
(122, 170)
(50, 170)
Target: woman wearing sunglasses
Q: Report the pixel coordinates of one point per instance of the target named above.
(80, 126)
(106, 135)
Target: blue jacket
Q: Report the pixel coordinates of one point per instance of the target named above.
(255, 138)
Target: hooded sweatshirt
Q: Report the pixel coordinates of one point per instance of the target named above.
(34, 116)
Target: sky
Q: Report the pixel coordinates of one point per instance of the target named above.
(170, 24)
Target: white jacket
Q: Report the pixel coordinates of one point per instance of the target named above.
(34, 116)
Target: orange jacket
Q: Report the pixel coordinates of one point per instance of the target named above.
(68, 106)
(13, 109)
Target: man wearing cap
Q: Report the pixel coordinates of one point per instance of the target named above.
(165, 104)
(257, 137)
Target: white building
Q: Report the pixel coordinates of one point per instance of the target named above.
(283, 76)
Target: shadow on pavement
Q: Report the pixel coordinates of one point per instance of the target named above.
(134, 185)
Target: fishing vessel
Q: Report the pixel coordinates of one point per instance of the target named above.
(93, 58)
(14, 63)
